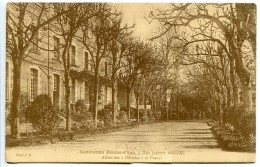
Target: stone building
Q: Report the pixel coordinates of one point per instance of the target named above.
(41, 63)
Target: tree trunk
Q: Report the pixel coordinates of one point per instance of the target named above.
(246, 90)
(228, 105)
(96, 89)
(114, 81)
(15, 121)
(155, 106)
(247, 95)
(67, 99)
(177, 106)
(159, 103)
(137, 108)
(223, 107)
(215, 108)
(245, 79)
(152, 105)
(234, 83)
(219, 110)
(128, 103)
(145, 104)
(236, 97)
(228, 97)
(114, 99)
(66, 65)
(166, 106)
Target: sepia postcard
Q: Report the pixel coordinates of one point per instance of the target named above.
(130, 82)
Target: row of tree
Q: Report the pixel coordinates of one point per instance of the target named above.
(137, 64)
(218, 50)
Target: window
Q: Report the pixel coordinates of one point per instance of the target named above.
(34, 83)
(73, 90)
(86, 92)
(105, 68)
(56, 89)
(56, 44)
(73, 55)
(86, 60)
(7, 82)
(55, 82)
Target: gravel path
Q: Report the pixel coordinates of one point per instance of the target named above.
(178, 141)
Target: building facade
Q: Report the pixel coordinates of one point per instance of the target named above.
(43, 72)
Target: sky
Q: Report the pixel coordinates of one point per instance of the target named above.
(138, 13)
(135, 13)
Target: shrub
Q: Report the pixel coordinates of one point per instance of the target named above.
(150, 115)
(242, 120)
(81, 112)
(157, 115)
(122, 117)
(164, 114)
(80, 106)
(81, 116)
(251, 139)
(106, 115)
(143, 115)
(108, 106)
(248, 123)
(108, 118)
(101, 113)
(230, 127)
(81, 119)
(42, 114)
(87, 125)
(123, 109)
(227, 113)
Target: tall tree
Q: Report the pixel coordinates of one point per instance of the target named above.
(206, 19)
(68, 26)
(117, 48)
(104, 30)
(22, 27)
(133, 63)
